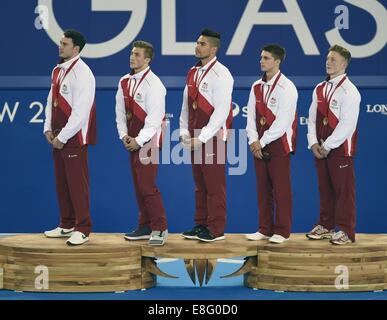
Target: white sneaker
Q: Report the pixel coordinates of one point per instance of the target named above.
(158, 238)
(276, 238)
(256, 236)
(319, 232)
(77, 238)
(340, 238)
(59, 233)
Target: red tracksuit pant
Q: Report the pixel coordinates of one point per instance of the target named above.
(210, 186)
(72, 186)
(274, 195)
(149, 200)
(336, 183)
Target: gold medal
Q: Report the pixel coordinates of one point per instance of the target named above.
(194, 105)
(55, 103)
(325, 121)
(129, 115)
(262, 121)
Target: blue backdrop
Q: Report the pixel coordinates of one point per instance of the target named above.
(28, 201)
(305, 28)
(27, 189)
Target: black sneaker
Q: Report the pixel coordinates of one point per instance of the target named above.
(207, 236)
(193, 234)
(141, 233)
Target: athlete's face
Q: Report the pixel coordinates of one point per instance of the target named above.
(268, 62)
(204, 49)
(137, 59)
(67, 50)
(335, 63)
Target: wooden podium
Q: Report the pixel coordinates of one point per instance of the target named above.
(108, 262)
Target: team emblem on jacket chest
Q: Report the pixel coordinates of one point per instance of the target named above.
(334, 104)
(139, 97)
(65, 89)
(273, 102)
(204, 87)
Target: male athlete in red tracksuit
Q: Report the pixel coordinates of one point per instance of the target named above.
(206, 114)
(332, 135)
(140, 110)
(70, 126)
(271, 130)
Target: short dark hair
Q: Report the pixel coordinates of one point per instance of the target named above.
(212, 35)
(276, 50)
(342, 51)
(147, 46)
(77, 37)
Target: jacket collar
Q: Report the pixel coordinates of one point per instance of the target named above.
(67, 64)
(138, 75)
(269, 83)
(335, 80)
(204, 68)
